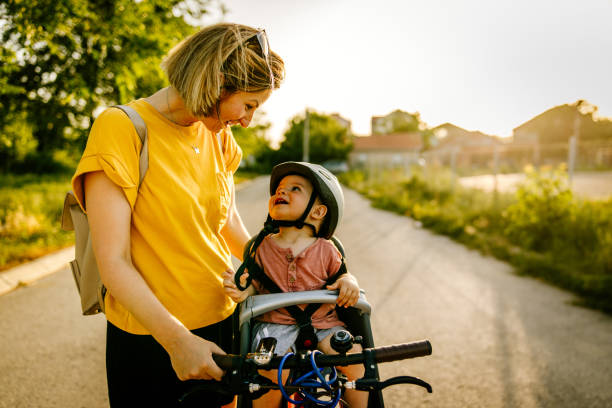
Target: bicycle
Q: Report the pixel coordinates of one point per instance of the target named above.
(313, 380)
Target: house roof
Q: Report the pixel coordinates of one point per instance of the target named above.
(542, 116)
(459, 137)
(411, 141)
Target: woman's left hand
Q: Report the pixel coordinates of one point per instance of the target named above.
(348, 290)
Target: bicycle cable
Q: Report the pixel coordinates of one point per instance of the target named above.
(312, 379)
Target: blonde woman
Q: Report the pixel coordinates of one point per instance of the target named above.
(162, 248)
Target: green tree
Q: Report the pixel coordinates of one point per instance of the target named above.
(329, 140)
(256, 150)
(62, 59)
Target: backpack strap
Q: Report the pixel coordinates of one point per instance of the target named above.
(141, 129)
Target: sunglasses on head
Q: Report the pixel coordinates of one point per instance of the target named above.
(262, 38)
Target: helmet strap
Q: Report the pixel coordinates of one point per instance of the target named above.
(299, 223)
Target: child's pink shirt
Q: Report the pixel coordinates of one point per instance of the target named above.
(307, 271)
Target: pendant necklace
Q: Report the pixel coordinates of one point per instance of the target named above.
(195, 148)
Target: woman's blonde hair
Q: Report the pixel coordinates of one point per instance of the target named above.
(221, 57)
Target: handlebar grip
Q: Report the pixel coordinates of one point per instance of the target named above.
(381, 355)
(402, 351)
(228, 361)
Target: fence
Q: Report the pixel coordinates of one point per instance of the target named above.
(510, 158)
(500, 167)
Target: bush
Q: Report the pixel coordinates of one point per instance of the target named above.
(543, 229)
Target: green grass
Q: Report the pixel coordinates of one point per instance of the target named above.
(543, 230)
(30, 210)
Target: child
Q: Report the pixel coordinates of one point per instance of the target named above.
(306, 205)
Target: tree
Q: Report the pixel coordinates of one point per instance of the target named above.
(328, 140)
(256, 150)
(62, 59)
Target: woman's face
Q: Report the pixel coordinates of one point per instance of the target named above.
(236, 109)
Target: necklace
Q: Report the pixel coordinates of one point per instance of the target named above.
(195, 148)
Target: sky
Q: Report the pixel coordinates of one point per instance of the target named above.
(485, 65)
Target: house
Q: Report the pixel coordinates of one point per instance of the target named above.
(394, 122)
(547, 136)
(386, 151)
(556, 125)
(455, 146)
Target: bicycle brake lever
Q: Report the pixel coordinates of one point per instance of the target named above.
(232, 383)
(370, 384)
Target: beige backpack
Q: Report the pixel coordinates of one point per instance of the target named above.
(84, 266)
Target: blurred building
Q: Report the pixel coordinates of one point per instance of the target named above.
(458, 147)
(545, 139)
(386, 150)
(395, 122)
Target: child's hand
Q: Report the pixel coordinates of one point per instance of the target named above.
(230, 288)
(348, 290)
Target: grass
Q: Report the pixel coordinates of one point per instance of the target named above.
(30, 212)
(542, 229)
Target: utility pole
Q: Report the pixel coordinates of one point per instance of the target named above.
(306, 141)
(573, 149)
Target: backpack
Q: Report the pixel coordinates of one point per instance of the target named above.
(84, 266)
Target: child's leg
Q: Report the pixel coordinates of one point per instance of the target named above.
(354, 398)
(272, 398)
(285, 336)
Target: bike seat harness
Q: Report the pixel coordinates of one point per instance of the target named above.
(327, 188)
(307, 339)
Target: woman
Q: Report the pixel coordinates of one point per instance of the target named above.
(162, 248)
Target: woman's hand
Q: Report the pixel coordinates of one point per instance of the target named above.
(348, 290)
(191, 358)
(230, 288)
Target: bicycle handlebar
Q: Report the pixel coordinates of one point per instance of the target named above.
(381, 355)
(242, 377)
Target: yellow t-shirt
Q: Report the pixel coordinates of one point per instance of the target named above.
(177, 214)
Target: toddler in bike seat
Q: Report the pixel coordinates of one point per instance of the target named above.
(294, 252)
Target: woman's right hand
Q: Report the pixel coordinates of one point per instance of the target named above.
(191, 358)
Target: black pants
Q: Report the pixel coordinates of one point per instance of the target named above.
(140, 374)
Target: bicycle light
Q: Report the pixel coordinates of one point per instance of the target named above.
(342, 341)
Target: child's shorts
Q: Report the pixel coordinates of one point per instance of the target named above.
(285, 335)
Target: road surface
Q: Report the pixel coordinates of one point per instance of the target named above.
(499, 340)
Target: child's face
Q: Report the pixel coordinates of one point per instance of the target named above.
(291, 198)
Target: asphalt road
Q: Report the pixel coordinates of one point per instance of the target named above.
(499, 340)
